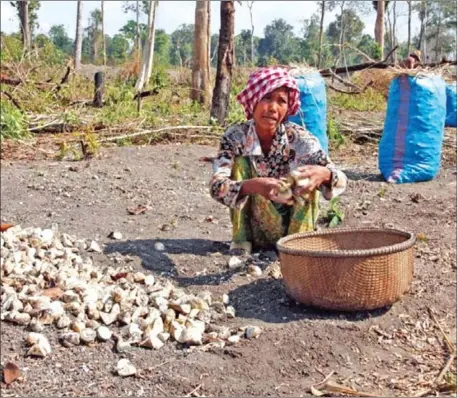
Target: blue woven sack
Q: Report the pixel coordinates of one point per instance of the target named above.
(411, 144)
(450, 120)
(312, 113)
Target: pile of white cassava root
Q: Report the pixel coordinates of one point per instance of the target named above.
(46, 280)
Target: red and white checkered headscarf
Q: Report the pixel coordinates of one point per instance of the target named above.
(264, 81)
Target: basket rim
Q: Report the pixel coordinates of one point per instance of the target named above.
(398, 247)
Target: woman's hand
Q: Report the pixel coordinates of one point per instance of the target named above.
(264, 186)
(316, 175)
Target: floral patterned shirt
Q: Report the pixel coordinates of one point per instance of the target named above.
(292, 146)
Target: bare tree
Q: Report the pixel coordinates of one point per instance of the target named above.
(421, 8)
(324, 6)
(320, 52)
(250, 6)
(200, 78)
(409, 24)
(393, 32)
(104, 43)
(23, 10)
(148, 51)
(226, 55)
(79, 35)
(138, 38)
(209, 45)
(379, 26)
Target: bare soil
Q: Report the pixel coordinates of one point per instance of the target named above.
(392, 351)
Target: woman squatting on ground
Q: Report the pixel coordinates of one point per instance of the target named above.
(254, 156)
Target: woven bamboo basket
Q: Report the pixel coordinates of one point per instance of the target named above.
(347, 269)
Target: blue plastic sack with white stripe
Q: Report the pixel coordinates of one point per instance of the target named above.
(312, 113)
(411, 144)
(450, 120)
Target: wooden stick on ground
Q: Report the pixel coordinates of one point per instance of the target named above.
(63, 80)
(145, 132)
(189, 394)
(450, 345)
(16, 104)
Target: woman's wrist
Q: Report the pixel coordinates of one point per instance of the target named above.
(328, 179)
(247, 187)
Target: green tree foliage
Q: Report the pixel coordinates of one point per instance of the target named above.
(182, 45)
(310, 44)
(352, 32)
(129, 30)
(243, 47)
(162, 47)
(214, 50)
(279, 43)
(369, 47)
(34, 6)
(60, 39)
(118, 48)
(441, 27)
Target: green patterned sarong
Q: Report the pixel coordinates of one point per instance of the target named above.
(263, 222)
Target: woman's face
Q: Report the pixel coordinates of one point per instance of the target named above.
(271, 110)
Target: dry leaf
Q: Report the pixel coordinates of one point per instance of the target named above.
(140, 209)
(4, 227)
(53, 292)
(11, 373)
(335, 387)
(315, 392)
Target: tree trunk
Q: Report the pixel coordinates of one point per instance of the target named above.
(104, 44)
(389, 28)
(149, 69)
(95, 34)
(422, 26)
(209, 47)
(79, 35)
(342, 27)
(425, 44)
(379, 26)
(138, 38)
(99, 81)
(200, 80)
(409, 26)
(393, 35)
(320, 50)
(250, 6)
(148, 51)
(438, 33)
(221, 93)
(23, 8)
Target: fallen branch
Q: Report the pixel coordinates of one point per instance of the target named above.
(190, 394)
(54, 127)
(438, 379)
(42, 85)
(146, 93)
(330, 386)
(362, 90)
(11, 82)
(450, 345)
(146, 132)
(353, 68)
(345, 82)
(15, 103)
(63, 80)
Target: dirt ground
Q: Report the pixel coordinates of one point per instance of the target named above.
(393, 351)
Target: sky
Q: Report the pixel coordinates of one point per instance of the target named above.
(171, 14)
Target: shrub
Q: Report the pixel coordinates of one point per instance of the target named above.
(13, 122)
